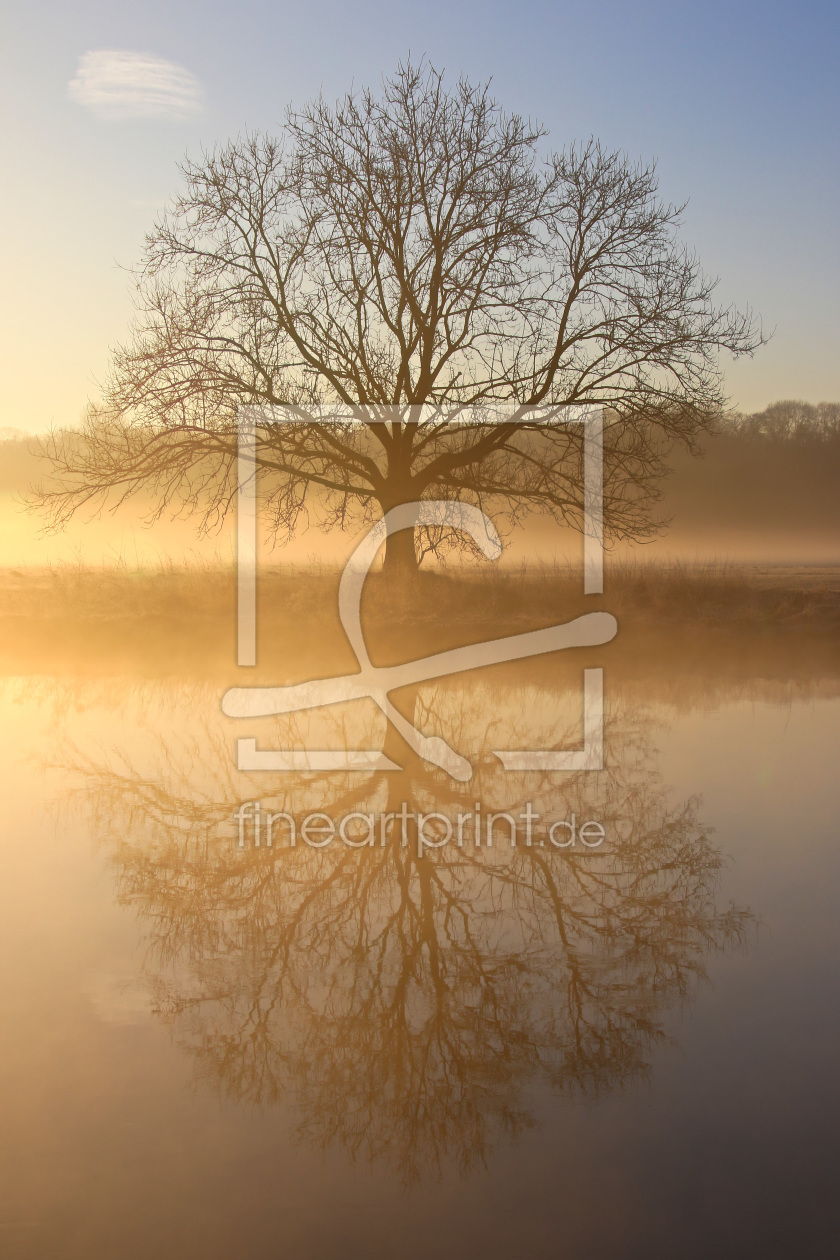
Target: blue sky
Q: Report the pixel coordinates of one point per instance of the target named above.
(738, 103)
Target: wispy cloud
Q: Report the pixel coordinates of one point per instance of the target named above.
(118, 84)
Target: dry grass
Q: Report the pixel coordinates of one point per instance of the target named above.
(718, 622)
(699, 594)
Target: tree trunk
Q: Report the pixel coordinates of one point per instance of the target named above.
(400, 556)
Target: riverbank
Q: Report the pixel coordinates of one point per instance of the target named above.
(173, 618)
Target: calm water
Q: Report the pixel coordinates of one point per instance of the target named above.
(208, 1050)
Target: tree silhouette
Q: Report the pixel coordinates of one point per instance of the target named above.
(402, 257)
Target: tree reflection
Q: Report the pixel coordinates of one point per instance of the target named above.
(403, 1003)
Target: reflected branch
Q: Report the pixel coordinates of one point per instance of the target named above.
(403, 1003)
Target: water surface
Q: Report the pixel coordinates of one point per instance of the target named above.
(218, 1050)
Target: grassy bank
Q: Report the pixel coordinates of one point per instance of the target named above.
(706, 594)
(174, 618)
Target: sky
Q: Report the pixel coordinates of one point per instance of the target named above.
(739, 103)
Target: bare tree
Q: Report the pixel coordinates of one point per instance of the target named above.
(403, 1003)
(407, 250)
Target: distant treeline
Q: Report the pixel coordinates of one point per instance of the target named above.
(767, 485)
(787, 422)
